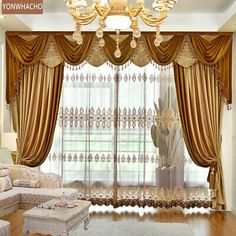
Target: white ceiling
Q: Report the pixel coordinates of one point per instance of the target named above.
(187, 15)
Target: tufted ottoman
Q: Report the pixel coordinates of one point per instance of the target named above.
(4, 228)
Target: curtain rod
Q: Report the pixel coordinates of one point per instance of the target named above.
(112, 32)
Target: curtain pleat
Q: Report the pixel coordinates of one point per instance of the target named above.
(13, 73)
(27, 52)
(200, 109)
(70, 51)
(210, 52)
(126, 50)
(20, 52)
(218, 53)
(35, 112)
(167, 52)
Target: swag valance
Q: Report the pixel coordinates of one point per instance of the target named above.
(185, 49)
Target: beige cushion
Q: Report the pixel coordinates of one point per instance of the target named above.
(5, 183)
(22, 172)
(46, 180)
(26, 183)
(4, 172)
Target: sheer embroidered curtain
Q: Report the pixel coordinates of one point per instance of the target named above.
(118, 138)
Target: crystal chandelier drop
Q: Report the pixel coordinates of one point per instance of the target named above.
(117, 15)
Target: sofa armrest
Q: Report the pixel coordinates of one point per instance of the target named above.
(50, 180)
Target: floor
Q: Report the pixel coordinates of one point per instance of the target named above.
(202, 221)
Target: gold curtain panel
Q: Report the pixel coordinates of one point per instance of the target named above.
(35, 112)
(200, 109)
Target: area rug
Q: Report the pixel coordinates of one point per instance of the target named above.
(103, 227)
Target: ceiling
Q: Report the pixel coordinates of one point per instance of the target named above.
(187, 15)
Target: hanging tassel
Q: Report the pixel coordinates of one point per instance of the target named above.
(212, 178)
(229, 107)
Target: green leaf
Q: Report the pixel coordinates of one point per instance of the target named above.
(155, 135)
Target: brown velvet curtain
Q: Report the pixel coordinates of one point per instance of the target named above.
(167, 52)
(218, 53)
(34, 90)
(70, 51)
(200, 108)
(35, 112)
(126, 50)
(20, 52)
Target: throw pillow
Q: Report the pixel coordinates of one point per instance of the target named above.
(5, 183)
(26, 183)
(19, 172)
(4, 172)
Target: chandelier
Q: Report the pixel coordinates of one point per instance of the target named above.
(117, 15)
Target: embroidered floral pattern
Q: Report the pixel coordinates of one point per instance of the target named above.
(95, 157)
(141, 77)
(127, 118)
(139, 196)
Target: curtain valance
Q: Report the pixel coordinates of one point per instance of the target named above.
(210, 52)
(27, 52)
(168, 50)
(185, 49)
(218, 53)
(70, 51)
(110, 47)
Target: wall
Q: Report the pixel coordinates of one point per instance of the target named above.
(2, 80)
(5, 118)
(234, 131)
(227, 132)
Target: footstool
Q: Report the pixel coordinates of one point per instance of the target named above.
(4, 228)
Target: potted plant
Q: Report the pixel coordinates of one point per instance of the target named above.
(166, 140)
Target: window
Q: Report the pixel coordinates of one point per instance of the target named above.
(103, 142)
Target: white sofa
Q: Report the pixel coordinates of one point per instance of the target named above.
(50, 187)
